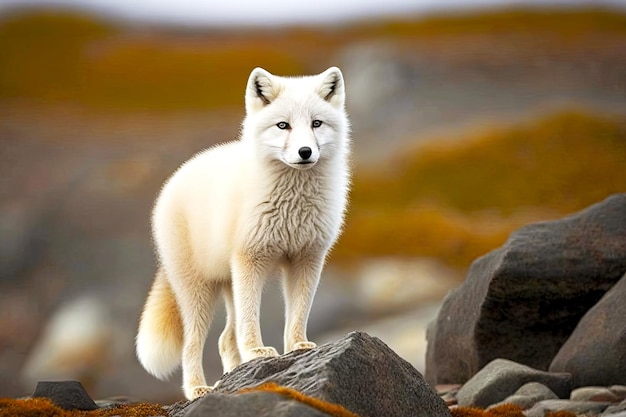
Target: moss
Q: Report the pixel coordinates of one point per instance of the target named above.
(328, 408)
(43, 407)
(504, 410)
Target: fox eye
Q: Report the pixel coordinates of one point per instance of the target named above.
(282, 125)
(316, 123)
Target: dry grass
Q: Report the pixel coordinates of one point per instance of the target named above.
(60, 57)
(456, 200)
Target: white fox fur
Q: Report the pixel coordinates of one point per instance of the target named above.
(271, 203)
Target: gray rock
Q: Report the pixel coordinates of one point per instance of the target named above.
(358, 372)
(602, 394)
(608, 413)
(619, 390)
(576, 407)
(528, 395)
(523, 300)
(502, 378)
(535, 389)
(69, 395)
(618, 410)
(595, 353)
(254, 404)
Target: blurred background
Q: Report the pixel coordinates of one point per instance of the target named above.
(470, 119)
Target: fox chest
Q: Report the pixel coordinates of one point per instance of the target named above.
(292, 220)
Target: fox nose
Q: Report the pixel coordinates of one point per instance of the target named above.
(305, 152)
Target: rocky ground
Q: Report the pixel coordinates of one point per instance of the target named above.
(564, 279)
(76, 187)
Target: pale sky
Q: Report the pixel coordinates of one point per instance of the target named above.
(271, 12)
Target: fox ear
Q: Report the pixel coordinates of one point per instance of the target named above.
(332, 87)
(262, 89)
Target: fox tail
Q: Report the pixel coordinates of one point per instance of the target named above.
(159, 341)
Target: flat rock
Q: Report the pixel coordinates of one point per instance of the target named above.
(501, 378)
(523, 300)
(595, 353)
(528, 395)
(617, 410)
(601, 394)
(69, 395)
(253, 404)
(577, 407)
(359, 372)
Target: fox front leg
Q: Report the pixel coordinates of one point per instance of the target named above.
(299, 287)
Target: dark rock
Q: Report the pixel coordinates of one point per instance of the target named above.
(523, 300)
(595, 353)
(69, 395)
(253, 404)
(358, 372)
(502, 378)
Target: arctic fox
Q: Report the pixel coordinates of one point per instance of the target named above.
(271, 203)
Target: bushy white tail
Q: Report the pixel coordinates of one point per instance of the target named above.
(159, 340)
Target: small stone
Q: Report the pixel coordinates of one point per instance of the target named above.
(528, 395)
(69, 395)
(600, 394)
(535, 389)
(576, 407)
(501, 378)
(619, 390)
(618, 414)
(618, 410)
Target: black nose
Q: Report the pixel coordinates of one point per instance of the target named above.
(305, 152)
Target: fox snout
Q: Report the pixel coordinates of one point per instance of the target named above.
(303, 157)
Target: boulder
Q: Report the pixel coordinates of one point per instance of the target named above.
(69, 395)
(358, 372)
(523, 300)
(501, 378)
(595, 353)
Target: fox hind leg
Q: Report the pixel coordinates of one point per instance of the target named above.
(197, 299)
(229, 352)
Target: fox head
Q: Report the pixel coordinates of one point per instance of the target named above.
(296, 120)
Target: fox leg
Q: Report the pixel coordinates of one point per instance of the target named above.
(229, 352)
(299, 287)
(248, 276)
(196, 299)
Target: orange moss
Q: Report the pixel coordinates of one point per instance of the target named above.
(328, 408)
(504, 410)
(43, 407)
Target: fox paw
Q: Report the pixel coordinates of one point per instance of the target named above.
(304, 346)
(200, 391)
(261, 352)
